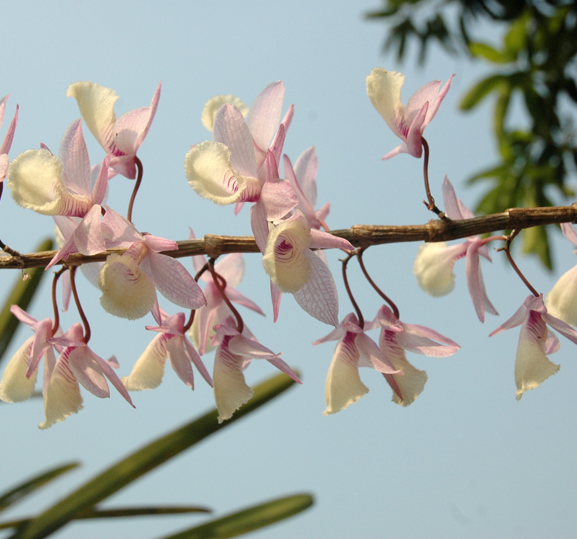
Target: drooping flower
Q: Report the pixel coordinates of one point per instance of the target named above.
(406, 121)
(8, 138)
(395, 338)
(128, 281)
(77, 364)
(561, 301)
(19, 377)
(233, 354)
(295, 269)
(536, 342)
(354, 349)
(433, 266)
(231, 268)
(171, 343)
(120, 137)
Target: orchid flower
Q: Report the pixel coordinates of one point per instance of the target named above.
(395, 338)
(228, 169)
(8, 138)
(231, 268)
(561, 301)
(76, 364)
(406, 121)
(129, 281)
(233, 354)
(354, 349)
(120, 137)
(171, 342)
(303, 181)
(532, 367)
(433, 266)
(19, 378)
(61, 186)
(295, 269)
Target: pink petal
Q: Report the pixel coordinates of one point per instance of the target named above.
(450, 200)
(421, 340)
(264, 114)
(372, 356)
(9, 137)
(303, 204)
(180, 361)
(231, 268)
(74, 155)
(259, 225)
(569, 232)
(101, 184)
(278, 199)
(197, 362)
(22, 315)
(237, 297)
(414, 136)
(230, 129)
(276, 296)
(88, 236)
(305, 169)
(112, 377)
(86, 371)
(324, 240)
(157, 244)
(173, 281)
(318, 296)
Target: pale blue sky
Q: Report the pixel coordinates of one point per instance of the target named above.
(466, 460)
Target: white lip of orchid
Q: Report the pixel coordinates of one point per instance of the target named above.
(284, 259)
(209, 172)
(35, 179)
(127, 291)
(433, 267)
(561, 301)
(214, 103)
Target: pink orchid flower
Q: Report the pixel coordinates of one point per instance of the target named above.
(354, 349)
(561, 301)
(19, 378)
(303, 181)
(62, 186)
(395, 338)
(536, 342)
(172, 343)
(120, 137)
(231, 268)
(229, 168)
(433, 266)
(8, 138)
(406, 121)
(233, 354)
(129, 281)
(295, 269)
(76, 364)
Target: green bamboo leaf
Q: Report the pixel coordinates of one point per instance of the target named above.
(16, 494)
(476, 94)
(119, 512)
(482, 50)
(536, 241)
(21, 295)
(248, 520)
(145, 460)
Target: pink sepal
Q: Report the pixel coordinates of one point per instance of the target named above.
(264, 114)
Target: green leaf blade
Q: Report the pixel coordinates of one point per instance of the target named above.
(145, 460)
(248, 520)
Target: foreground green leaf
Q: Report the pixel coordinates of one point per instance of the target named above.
(145, 460)
(21, 295)
(16, 494)
(248, 520)
(119, 512)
